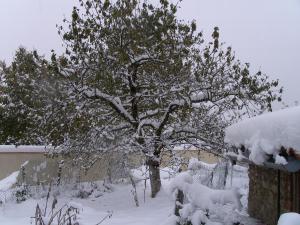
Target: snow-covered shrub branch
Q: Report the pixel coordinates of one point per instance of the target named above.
(198, 204)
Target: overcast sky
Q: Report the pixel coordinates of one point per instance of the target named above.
(265, 33)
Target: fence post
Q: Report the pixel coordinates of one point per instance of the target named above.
(179, 202)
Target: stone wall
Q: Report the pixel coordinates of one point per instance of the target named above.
(271, 193)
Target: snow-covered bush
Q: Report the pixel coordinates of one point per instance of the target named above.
(22, 193)
(83, 193)
(91, 189)
(202, 204)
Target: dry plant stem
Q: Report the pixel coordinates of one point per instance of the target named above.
(65, 215)
(109, 215)
(135, 197)
(145, 183)
(48, 196)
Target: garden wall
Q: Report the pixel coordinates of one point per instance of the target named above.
(42, 169)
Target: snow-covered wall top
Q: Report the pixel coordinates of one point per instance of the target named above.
(23, 148)
(267, 133)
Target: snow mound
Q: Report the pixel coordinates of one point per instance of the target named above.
(9, 181)
(180, 181)
(289, 219)
(267, 133)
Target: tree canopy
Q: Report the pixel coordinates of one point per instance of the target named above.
(134, 77)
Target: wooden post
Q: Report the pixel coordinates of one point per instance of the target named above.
(179, 202)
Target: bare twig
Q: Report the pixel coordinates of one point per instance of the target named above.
(108, 216)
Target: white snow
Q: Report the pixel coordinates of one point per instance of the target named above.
(9, 181)
(280, 160)
(24, 148)
(289, 219)
(199, 96)
(267, 133)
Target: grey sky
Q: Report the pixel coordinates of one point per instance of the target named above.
(265, 33)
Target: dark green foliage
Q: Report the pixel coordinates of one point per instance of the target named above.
(33, 104)
(22, 193)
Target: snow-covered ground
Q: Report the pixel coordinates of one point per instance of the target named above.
(93, 209)
(8, 182)
(118, 201)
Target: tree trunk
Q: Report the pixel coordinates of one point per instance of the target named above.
(154, 175)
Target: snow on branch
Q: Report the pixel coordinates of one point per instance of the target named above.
(148, 122)
(172, 106)
(199, 97)
(148, 114)
(138, 60)
(114, 101)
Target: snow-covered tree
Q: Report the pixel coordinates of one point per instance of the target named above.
(148, 81)
(18, 88)
(136, 78)
(33, 106)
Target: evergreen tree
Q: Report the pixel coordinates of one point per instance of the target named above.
(33, 104)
